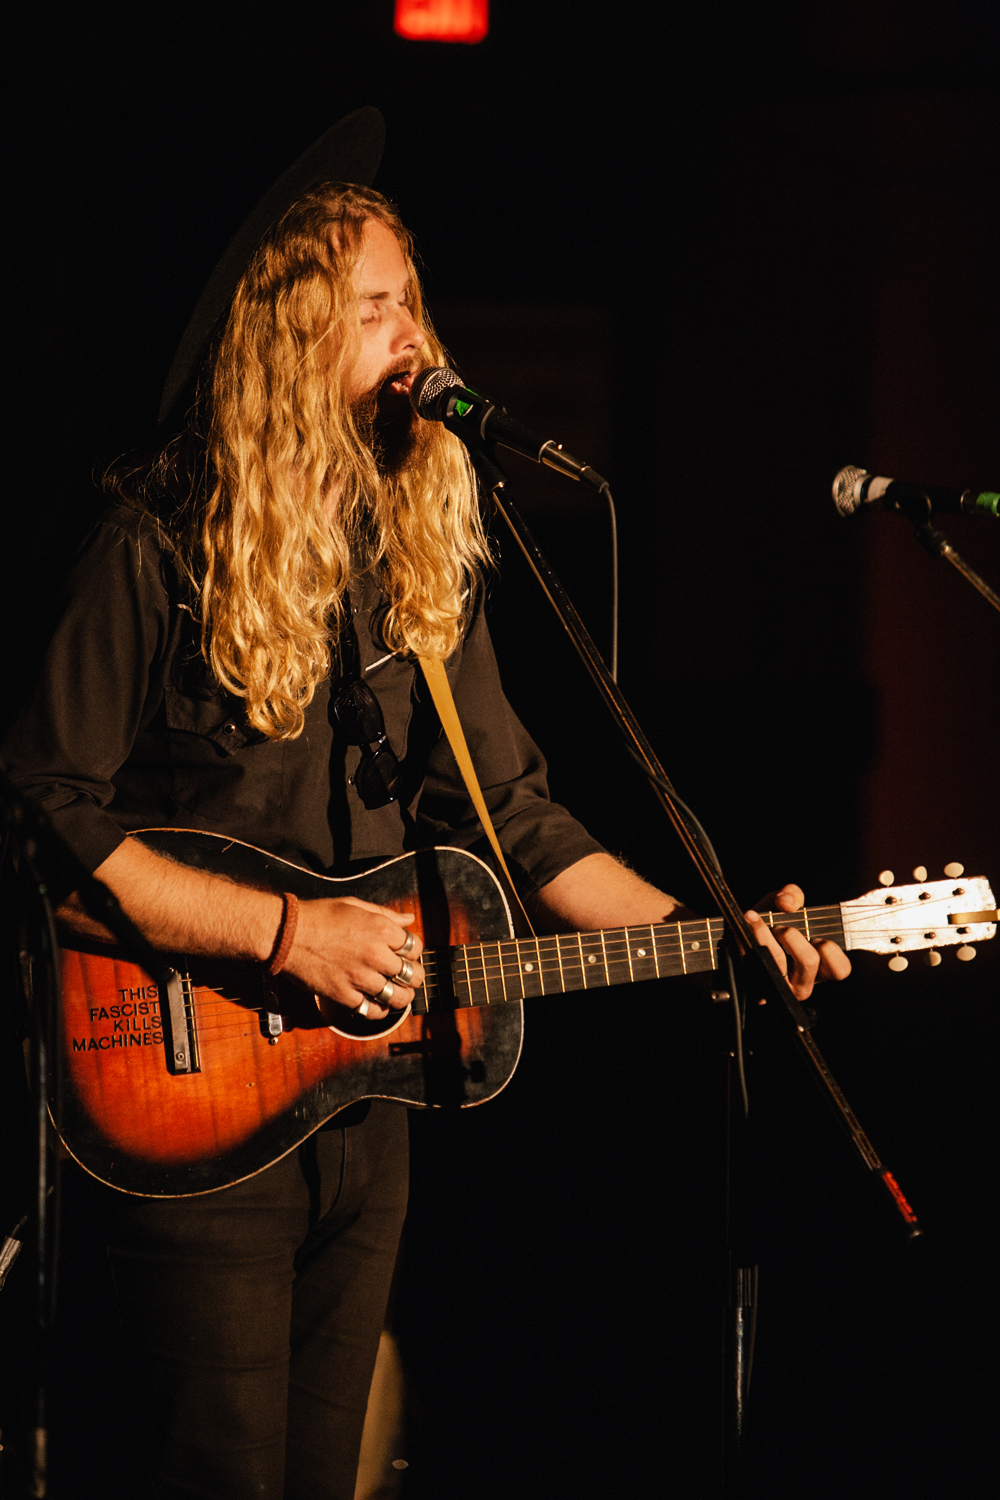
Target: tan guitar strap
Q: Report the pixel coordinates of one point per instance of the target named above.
(437, 681)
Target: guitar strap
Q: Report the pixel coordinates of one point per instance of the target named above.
(437, 681)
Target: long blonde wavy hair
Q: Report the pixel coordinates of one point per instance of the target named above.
(285, 499)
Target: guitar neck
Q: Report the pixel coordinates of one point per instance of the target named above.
(494, 973)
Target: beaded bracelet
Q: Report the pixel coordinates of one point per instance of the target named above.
(285, 936)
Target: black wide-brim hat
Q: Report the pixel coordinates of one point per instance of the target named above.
(349, 151)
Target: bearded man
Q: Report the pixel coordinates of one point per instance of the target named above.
(285, 554)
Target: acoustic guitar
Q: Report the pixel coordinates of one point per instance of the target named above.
(170, 1096)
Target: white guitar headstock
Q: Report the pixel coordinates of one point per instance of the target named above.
(899, 919)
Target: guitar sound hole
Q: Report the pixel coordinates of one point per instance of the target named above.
(347, 1022)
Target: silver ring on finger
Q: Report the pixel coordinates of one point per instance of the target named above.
(405, 973)
(363, 1008)
(386, 993)
(408, 946)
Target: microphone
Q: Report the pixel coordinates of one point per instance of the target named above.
(854, 488)
(438, 395)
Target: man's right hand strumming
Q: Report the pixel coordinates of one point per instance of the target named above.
(347, 951)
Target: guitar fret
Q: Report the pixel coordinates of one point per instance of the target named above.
(796, 919)
(475, 953)
(641, 962)
(593, 971)
(503, 980)
(683, 963)
(604, 956)
(815, 922)
(694, 946)
(622, 964)
(485, 980)
(529, 966)
(517, 969)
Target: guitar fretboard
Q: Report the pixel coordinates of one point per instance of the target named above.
(517, 968)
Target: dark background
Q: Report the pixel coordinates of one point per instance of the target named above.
(719, 252)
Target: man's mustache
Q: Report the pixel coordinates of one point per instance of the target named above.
(367, 403)
(395, 436)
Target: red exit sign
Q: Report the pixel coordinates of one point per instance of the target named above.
(442, 20)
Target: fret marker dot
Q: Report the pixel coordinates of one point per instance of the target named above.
(592, 959)
(640, 952)
(529, 968)
(695, 947)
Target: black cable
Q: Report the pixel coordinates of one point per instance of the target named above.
(738, 1020)
(694, 826)
(613, 524)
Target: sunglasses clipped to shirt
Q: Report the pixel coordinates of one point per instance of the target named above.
(359, 715)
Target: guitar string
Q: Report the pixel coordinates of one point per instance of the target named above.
(556, 952)
(667, 941)
(619, 951)
(489, 976)
(559, 948)
(666, 944)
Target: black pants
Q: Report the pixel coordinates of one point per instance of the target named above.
(253, 1316)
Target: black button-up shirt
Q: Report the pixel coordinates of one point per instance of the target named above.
(128, 729)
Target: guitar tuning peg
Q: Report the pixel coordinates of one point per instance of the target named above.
(966, 953)
(899, 963)
(932, 958)
(886, 878)
(954, 870)
(920, 873)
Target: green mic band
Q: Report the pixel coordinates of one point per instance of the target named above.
(987, 504)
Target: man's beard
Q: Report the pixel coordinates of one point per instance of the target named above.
(389, 427)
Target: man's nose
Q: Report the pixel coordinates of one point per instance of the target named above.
(408, 334)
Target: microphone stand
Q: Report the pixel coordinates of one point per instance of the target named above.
(760, 973)
(918, 507)
(938, 545)
(48, 871)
